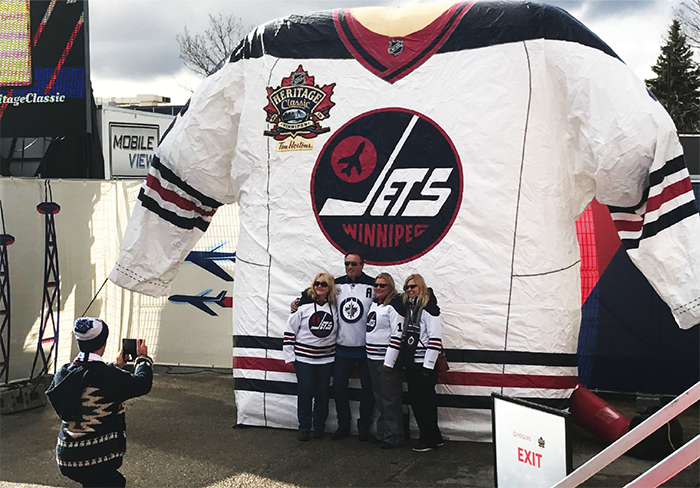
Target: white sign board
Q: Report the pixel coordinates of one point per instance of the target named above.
(530, 442)
(131, 148)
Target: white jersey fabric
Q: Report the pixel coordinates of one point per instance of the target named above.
(354, 300)
(381, 321)
(429, 339)
(310, 334)
(464, 151)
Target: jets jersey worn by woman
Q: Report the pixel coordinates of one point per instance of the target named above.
(310, 334)
(462, 143)
(381, 321)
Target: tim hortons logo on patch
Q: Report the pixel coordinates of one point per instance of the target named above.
(388, 181)
(295, 110)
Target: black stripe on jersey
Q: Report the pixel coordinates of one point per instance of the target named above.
(257, 342)
(452, 401)
(168, 175)
(371, 60)
(493, 23)
(172, 217)
(510, 357)
(655, 178)
(314, 36)
(438, 39)
(664, 222)
(673, 166)
(363, 279)
(314, 356)
(452, 355)
(316, 348)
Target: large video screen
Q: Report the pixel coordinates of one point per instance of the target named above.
(44, 75)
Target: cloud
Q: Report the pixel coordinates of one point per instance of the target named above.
(134, 41)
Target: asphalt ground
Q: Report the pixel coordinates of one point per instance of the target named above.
(183, 434)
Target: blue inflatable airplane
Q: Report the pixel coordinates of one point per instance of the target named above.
(200, 300)
(208, 258)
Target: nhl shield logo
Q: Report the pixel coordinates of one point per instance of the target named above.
(295, 110)
(395, 46)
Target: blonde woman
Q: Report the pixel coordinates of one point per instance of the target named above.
(385, 314)
(309, 343)
(419, 342)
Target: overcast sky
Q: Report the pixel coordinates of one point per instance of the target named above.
(133, 48)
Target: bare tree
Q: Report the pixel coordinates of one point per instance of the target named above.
(689, 15)
(203, 52)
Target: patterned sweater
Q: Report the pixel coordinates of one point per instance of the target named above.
(88, 395)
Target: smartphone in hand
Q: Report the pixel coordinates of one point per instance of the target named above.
(129, 349)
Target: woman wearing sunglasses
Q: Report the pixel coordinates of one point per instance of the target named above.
(419, 342)
(384, 314)
(309, 343)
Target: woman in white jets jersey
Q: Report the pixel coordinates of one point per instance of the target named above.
(419, 342)
(309, 342)
(384, 314)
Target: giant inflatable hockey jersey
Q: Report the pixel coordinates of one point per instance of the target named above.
(464, 151)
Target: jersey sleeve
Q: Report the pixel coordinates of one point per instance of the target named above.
(630, 155)
(190, 177)
(290, 336)
(431, 321)
(396, 320)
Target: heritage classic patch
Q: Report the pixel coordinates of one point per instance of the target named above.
(295, 110)
(390, 182)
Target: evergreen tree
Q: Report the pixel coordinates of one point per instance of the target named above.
(677, 82)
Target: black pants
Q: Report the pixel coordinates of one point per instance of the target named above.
(421, 392)
(341, 393)
(107, 476)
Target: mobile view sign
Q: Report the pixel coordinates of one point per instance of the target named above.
(531, 444)
(131, 148)
(43, 68)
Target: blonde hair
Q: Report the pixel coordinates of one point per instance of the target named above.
(332, 289)
(390, 283)
(423, 293)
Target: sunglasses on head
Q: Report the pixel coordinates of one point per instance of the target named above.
(351, 263)
(380, 285)
(322, 284)
(410, 287)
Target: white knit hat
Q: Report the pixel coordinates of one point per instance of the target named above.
(91, 333)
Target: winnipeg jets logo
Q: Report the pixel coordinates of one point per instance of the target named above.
(390, 181)
(351, 309)
(321, 324)
(371, 321)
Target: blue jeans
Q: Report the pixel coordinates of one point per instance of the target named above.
(341, 393)
(313, 382)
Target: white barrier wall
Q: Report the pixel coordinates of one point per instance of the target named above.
(89, 228)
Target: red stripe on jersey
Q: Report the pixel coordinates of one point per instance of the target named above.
(507, 380)
(629, 225)
(669, 193)
(170, 196)
(262, 364)
(456, 378)
(315, 352)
